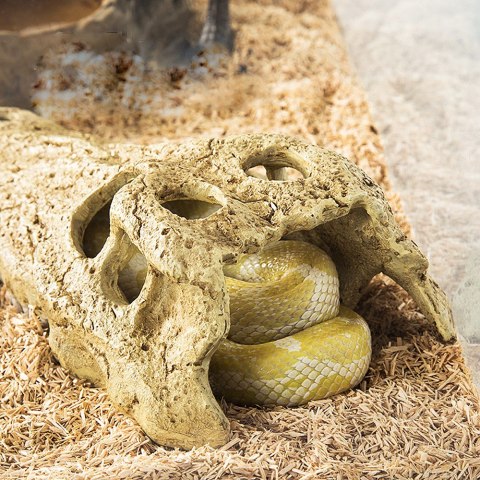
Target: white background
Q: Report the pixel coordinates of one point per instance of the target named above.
(419, 61)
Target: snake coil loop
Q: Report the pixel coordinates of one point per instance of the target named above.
(290, 341)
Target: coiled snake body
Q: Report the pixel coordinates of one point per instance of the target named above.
(289, 342)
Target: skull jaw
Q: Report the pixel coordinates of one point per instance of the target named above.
(361, 248)
(164, 410)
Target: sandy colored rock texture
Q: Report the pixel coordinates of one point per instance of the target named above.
(152, 352)
(416, 414)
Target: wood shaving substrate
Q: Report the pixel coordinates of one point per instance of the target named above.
(415, 416)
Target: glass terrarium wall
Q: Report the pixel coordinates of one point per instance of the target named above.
(20, 15)
(28, 29)
(155, 29)
(420, 64)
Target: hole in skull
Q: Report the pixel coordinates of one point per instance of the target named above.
(276, 165)
(133, 272)
(90, 225)
(97, 232)
(191, 209)
(282, 174)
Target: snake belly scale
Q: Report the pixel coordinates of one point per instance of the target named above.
(290, 341)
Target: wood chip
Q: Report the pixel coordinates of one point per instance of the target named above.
(416, 414)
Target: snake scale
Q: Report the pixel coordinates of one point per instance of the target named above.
(290, 341)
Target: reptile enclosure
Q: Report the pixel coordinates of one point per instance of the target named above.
(152, 352)
(416, 413)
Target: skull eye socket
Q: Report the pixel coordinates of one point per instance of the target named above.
(96, 232)
(191, 209)
(90, 224)
(277, 166)
(124, 270)
(281, 174)
(132, 272)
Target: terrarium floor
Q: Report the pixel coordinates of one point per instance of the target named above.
(416, 414)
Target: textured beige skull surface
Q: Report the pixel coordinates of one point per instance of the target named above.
(151, 349)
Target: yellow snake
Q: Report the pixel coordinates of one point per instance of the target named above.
(290, 341)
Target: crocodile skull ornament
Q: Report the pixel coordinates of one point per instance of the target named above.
(151, 350)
